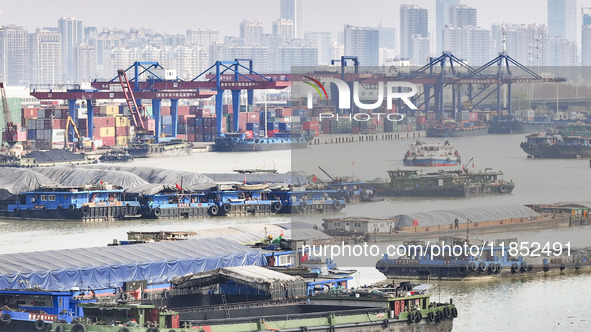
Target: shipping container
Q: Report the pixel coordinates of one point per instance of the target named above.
(106, 132)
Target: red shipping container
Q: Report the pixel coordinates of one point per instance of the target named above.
(181, 136)
(164, 110)
(271, 133)
(248, 134)
(59, 124)
(108, 141)
(29, 113)
(191, 137)
(355, 130)
(122, 131)
(310, 125)
(183, 110)
(473, 116)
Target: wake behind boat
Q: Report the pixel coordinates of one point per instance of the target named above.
(432, 154)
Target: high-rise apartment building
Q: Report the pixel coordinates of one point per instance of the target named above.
(72, 32)
(363, 42)
(414, 21)
(292, 10)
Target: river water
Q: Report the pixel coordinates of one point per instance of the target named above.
(557, 302)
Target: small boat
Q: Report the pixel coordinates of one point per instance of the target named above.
(432, 154)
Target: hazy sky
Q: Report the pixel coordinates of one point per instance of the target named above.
(176, 16)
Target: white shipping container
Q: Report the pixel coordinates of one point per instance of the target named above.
(58, 135)
(97, 143)
(82, 113)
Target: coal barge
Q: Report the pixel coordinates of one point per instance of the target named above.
(458, 183)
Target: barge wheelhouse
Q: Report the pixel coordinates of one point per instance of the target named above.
(90, 202)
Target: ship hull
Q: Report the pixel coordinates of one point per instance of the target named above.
(548, 151)
(357, 323)
(245, 147)
(86, 213)
(159, 151)
(459, 191)
(431, 162)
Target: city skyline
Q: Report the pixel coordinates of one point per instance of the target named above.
(317, 16)
(93, 51)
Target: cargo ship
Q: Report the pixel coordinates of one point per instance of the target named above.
(239, 142)
(452, 129)
(170, 148)
(457, 183)
(432, 154)
(90, 202)
(557, 146)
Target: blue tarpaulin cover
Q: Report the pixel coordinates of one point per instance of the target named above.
(108, 267)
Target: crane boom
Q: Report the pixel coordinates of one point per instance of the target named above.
(137, 117)
(325, 172)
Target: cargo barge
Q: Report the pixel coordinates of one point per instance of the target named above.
(493, 260)
(458, 222)
(240, 298)
(513, 125)
(557, 146)
(170, 148)
(310, 201)
(457, 183)
(238, 142)
(454, 130)
(90, 202)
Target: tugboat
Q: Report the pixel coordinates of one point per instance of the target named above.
(557, 146)
(90, 202)
(432, 154)
(238, 142)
